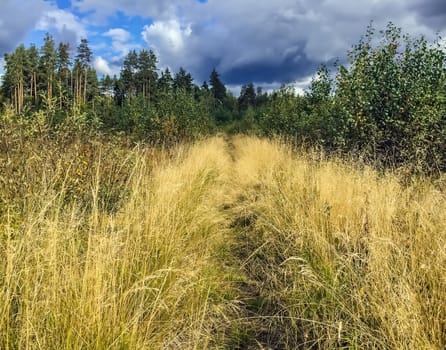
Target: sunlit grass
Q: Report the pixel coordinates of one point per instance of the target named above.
(216, 245)
(76, 276)
(349, 258)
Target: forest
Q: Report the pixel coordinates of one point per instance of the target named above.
(386, 105)
(149, 211)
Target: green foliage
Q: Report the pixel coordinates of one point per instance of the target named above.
(393, 98)
(387, 104)
(183, 80)
(247, 124)
(283, 114)
(218, 89)
(247, 96)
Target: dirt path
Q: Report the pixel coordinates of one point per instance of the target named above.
(256, 324)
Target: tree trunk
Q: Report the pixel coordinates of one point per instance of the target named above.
(21, 93)
(85, 87)
(35, 86)
(16, 105)
(31, 86)
(60, 93)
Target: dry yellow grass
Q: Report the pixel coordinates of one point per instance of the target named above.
(139, 278)
(213, 241)
(349, 258)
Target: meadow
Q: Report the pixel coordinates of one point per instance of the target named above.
(224, 243)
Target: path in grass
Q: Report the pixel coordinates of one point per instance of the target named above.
(257, 322)
(225, 243)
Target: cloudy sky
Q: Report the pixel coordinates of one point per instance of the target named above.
(267, 42)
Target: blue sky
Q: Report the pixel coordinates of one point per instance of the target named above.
(265, 42)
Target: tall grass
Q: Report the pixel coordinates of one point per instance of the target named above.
(74, 274)
(221, 244)
(347, 258)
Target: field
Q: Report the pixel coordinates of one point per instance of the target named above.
(226, 243)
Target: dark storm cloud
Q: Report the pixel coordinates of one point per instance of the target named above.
(284, 71)
(266, 41)
(430, 8)
(432, 13)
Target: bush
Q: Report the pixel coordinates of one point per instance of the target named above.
(393, 99)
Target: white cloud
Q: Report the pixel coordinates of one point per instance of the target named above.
(101, 66)
(298, 87)
(118, 34)
(67, 26)
(121, 41)
(167, 36)
(301, 85)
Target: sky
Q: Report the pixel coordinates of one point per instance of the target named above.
(267, 42)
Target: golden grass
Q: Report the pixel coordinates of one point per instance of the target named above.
(208, 242)
(140, 278)
(350, 258)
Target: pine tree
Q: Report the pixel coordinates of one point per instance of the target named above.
(261, 97)
(81, 68)
(118, 91)
(92, 87)
(33, 66)
(128, 74)
(14, 79)
(183, 80)
(247, 96)
(218, 89)
(106, 85)
(147, 75)
(48, 66)
(205, 86)
(63, 70)
(165, 82)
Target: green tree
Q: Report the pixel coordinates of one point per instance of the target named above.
(261, 97)
(205, 86)
(218, 89)
(284, 114)
(165, 82)
(146, 74)
(247, 96)
(48, 61)
(393, 96)
(63, 64)
(321, 120)
(82, 65)
(15, 75)
(106, 85)
(128, 75)
(33, 65)
(183, 81)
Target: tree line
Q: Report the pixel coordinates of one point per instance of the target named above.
(386, 104)
(142, 100)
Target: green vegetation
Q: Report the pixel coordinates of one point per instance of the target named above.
(126, 224)
(387, 105)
